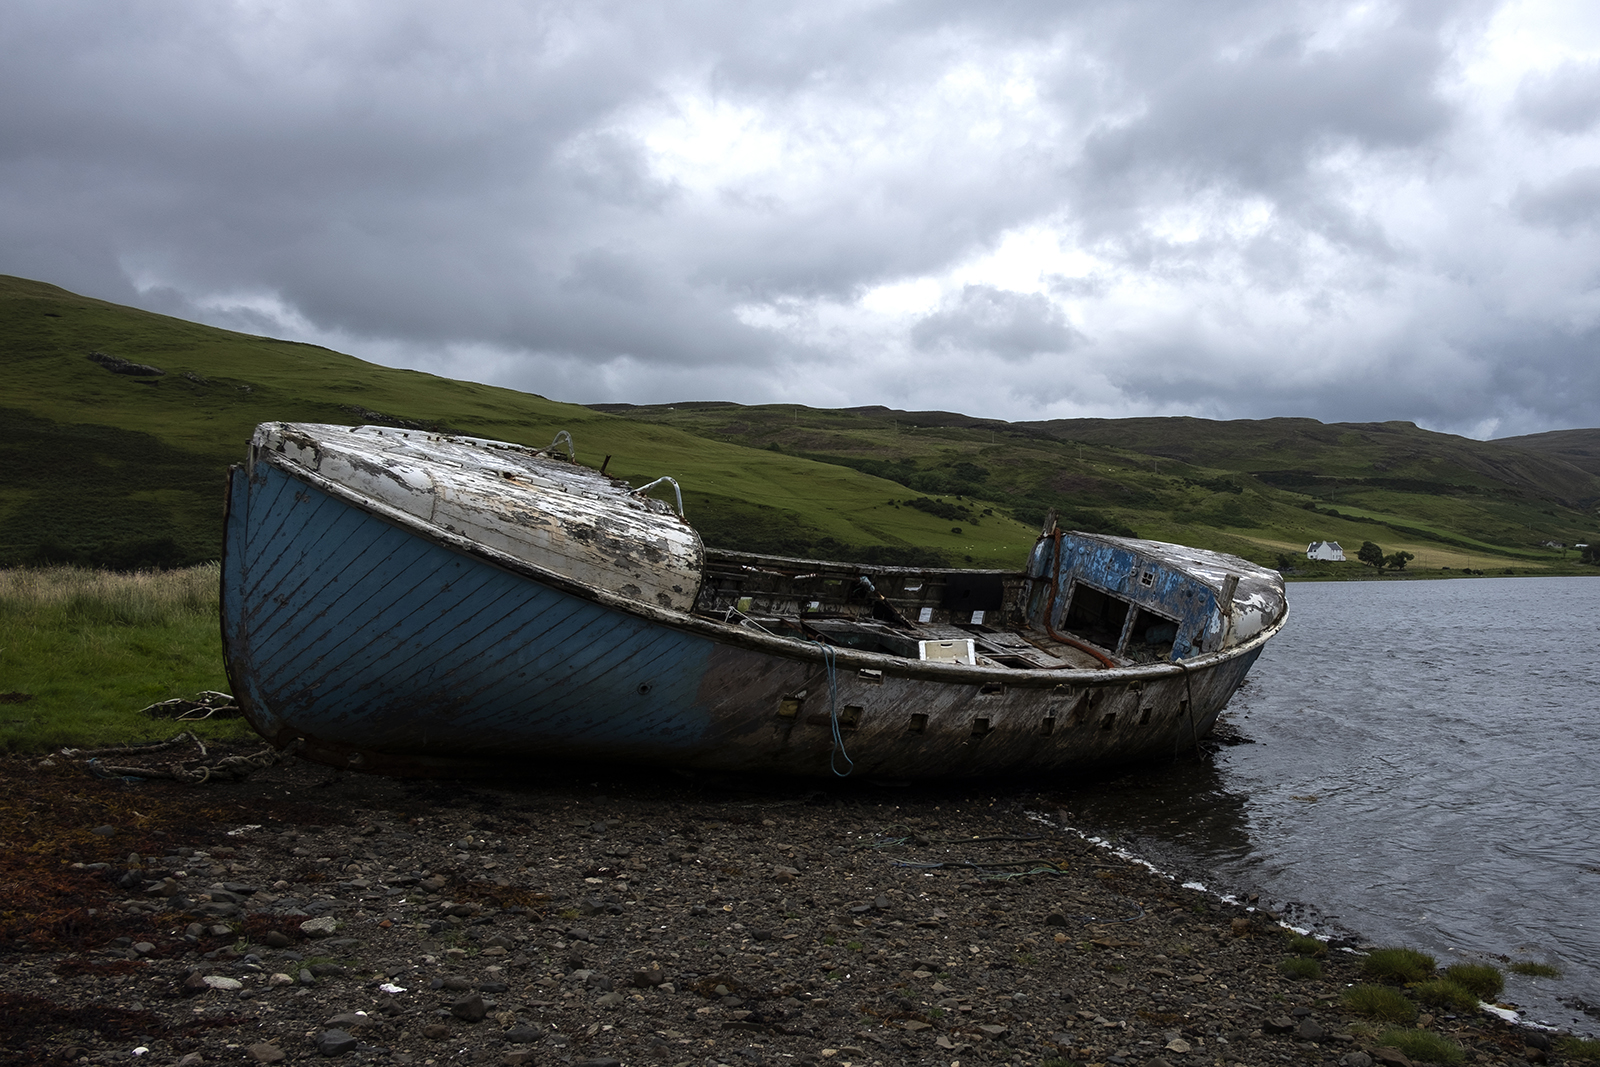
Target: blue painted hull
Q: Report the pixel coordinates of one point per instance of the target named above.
(378, 648)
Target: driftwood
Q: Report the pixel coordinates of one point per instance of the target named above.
(207, 705)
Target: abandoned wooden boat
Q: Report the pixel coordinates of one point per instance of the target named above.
(397, 600)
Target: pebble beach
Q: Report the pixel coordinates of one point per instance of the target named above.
(621, 917)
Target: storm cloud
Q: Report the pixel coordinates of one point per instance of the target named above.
(1352, 211)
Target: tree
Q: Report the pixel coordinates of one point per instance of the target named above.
(1591, 551)
(1371, 555)
(1396, 561)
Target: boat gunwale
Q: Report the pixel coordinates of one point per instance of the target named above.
(772, 644)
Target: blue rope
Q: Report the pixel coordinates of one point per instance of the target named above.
(828, 662)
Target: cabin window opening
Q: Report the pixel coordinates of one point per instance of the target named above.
(1147, 578)
(1047, 726)
(1096, 616)
(789, 707)
(850, 716)
(918, 724)
(870, 676)
(1150, 637)
(1144, 717)
(980, 727)
(1107, 722)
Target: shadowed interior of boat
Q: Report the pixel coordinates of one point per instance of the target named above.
(990, 618)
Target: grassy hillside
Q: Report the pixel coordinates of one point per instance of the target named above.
(123, 469)
(105, 467)
(1581, 448)
(1262, 489)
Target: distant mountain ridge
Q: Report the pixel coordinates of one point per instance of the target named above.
(1581, 448)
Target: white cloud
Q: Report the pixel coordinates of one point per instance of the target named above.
(1370, 209)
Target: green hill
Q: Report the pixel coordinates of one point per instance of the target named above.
(1259, 488)
(126, 469)
(102, 463)
(1581, 448)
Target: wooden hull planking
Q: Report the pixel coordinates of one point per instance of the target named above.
(386, 650)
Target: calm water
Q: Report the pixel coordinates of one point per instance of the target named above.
(1426, 771)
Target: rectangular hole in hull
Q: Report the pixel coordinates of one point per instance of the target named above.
(1109, 721)
(919, 723)
(1144, 717)
(980, 727)
(1047, 726)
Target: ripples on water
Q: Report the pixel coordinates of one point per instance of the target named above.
(1426, 772)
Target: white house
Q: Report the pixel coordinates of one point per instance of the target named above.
(1325, 550)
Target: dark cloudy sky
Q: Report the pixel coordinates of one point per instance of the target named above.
(1233, 209)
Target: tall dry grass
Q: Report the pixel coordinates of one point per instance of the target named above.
(85, 595)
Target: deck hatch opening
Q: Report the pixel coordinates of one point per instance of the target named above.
(789, 707)
(1151, 637)
(918, 724)
(980, 727)
(1096, 616)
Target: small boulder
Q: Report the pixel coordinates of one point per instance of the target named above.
(470, 1009)
(321, 926)
(1310, 1030)
(650, 976)
(335, 1042)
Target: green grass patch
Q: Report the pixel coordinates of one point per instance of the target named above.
(83, 652)
(1580, 1048)
(1401, 965)
(1444, 994)
(1422, 1045)
(1532, 969)
(1380, 1002)
(1300, 968)
(1301, 945)
(1484, 980)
